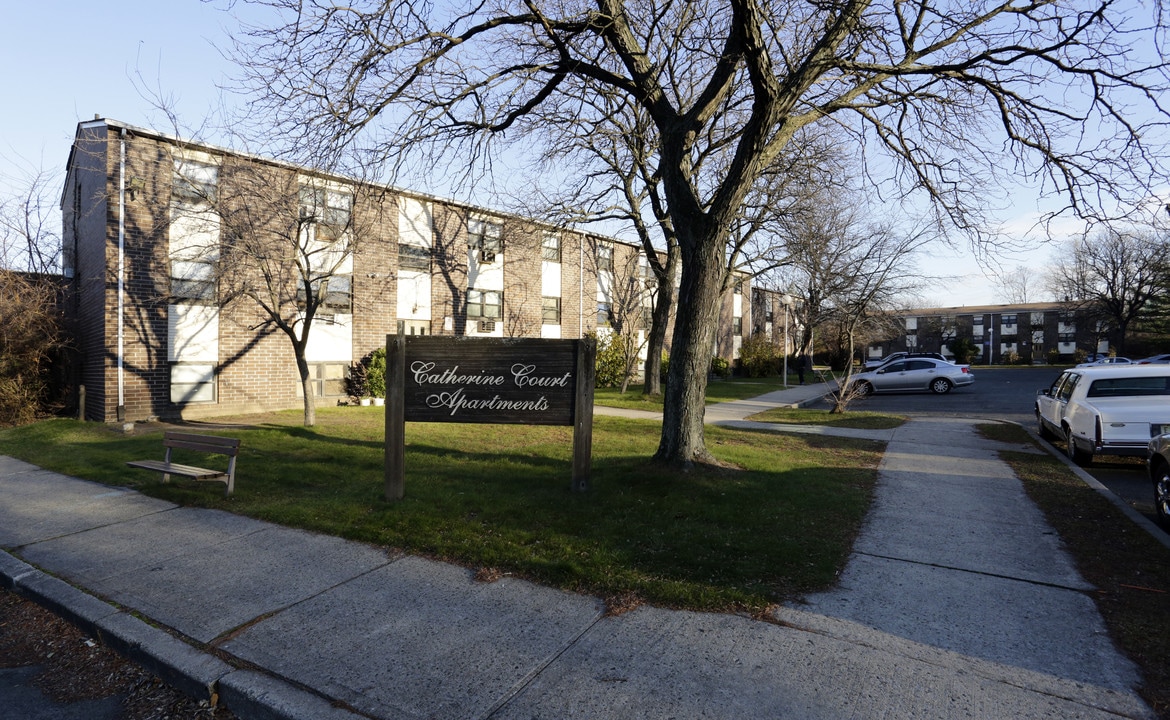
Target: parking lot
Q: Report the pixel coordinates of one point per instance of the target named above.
(1008, 393)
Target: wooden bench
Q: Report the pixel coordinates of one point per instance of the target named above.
(200, 443)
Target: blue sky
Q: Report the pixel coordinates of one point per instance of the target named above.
(69, 60)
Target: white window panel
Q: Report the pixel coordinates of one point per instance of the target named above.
(911, 323)
(193, 333)
(550, 332)
(330, 341)
(414, 295)
(550, 279)
(415, 222)
(605, 287)
(194, 234)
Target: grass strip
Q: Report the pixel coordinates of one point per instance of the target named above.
(1129, 568)
(497, 499)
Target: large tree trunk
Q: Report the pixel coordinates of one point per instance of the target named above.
(656, 338)
(699, 293)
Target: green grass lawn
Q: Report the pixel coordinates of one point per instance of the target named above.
(497, 498)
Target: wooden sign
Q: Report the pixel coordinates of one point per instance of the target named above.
(487, 380)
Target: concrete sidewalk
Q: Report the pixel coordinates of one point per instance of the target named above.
(957, 602)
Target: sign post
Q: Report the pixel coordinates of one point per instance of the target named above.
(462, 379)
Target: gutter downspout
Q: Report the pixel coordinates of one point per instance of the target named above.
(121, 274)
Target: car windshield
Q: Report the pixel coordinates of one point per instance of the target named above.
(1129, 387)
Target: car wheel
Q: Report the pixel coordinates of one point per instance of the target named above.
(1080, 457)
(1162, 493)
(863, 388)
(1042, 429)
(940, 386)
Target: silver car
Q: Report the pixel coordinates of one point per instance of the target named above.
(912, 375)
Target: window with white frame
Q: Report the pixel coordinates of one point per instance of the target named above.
(485, 305)
(604, 314)
(550, 310)
(194, 181)
(194, 230)
(326, 210)
(550, 247)
(414, 257)
(485, 238)
(605, 256)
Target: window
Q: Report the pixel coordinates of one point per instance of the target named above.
(1130, 387)
(769, 315)
(737, 326)
(337, 297)
(737, 288)
(604, 314)
(192, 281)
(550, 310)
(1008, 319)
(327, 379)
(485, 304)
(414, 257)
(550, 247)
(192, 383)
(194, 182)
(485, 239)
(326, 212)
(605, 256)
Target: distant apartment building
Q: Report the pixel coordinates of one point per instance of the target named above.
(151, 223)
(1029, 333)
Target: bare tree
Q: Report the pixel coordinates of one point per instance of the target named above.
(847, 271)
(1016, 287)
(30, 223)
(30, 314)
(1113, 275)
(952, 92)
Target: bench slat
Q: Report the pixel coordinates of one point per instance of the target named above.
(176, 469)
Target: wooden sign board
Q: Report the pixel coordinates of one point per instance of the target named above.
(487, 380)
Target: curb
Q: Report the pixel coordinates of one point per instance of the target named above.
(1138, 519)
(250, 695)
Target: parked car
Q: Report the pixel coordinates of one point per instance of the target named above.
(1106, 360)
(1163, 359)
(875, 364)
(913, 374)
(1158, 464)
(1107, 410)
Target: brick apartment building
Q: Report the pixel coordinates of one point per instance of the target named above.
(1031, 332)
(147, 227)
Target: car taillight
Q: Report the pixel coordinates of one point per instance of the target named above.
(965, 369)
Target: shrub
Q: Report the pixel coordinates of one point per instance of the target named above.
(664, 370)
(720, 367)
(376, 373)
(30, 340)
(1053, 356)
(757, 357)
(611, 360)
(1011, 357)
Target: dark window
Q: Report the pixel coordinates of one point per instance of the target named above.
(604, 314)
(414, 257)
(737, 326)
(486, 239)
(333, 293)
(1130, 387)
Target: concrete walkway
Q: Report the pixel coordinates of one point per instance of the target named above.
(957, 602)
